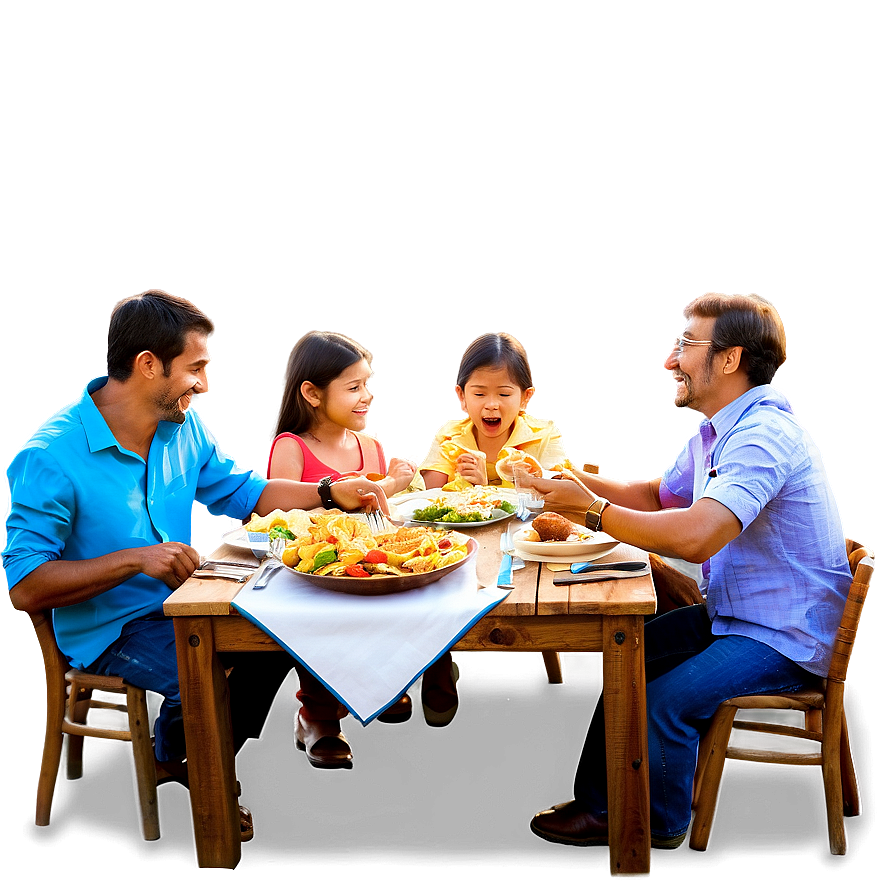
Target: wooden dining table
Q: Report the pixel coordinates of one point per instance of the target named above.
(536, 616)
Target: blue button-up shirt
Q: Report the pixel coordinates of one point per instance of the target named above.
(783, 581)
(78, 494)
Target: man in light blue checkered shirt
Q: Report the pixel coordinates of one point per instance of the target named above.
(748, 499)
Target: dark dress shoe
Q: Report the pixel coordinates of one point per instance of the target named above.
(439, 705)
(402, 705)
(323, 743)
(569, 823)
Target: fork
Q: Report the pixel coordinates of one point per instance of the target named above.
(210, 563)
(376, 520)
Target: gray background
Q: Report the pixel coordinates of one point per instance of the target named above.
(414, 174)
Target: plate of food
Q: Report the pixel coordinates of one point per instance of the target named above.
(340, 552)
(479, 505)
(551, 535)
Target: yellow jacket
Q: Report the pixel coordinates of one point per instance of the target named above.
(540, 438)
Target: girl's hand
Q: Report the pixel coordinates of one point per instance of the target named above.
(359, 492)
(401, 472)
(472, 468)
(567, 493)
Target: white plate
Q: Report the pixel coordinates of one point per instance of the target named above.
(594, 553)
(596, 541)
(407, 504)
(239, 538)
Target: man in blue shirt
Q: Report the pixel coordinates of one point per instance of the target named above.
(102, 497)
(748, 499)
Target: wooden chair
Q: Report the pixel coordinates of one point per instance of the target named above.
(825, 723)
(69, 698)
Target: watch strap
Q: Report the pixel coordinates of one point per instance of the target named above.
(593, 515)
(323, 491)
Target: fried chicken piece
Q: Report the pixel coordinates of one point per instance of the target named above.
(553, 527)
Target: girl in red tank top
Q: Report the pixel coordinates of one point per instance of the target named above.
(323, 412)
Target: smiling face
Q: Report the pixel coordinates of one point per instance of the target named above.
(185, 378)
(692, 366)
(493, 400)
(347, 399)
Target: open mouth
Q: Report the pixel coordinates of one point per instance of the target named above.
(491, 422)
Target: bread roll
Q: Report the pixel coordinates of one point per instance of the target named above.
(504, 466)
(553, 527)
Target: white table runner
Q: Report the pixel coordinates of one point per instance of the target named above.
(367, 650)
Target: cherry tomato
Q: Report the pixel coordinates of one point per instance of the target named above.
(376, 557)
(357, 571)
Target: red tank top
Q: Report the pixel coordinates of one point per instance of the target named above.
(370, 450)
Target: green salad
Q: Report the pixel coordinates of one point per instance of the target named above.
(441, 512)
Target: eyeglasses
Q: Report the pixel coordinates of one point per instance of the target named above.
(682, 341)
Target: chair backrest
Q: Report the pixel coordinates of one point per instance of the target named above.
(861, 564)
(55, 663)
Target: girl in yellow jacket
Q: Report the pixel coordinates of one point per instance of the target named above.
(494, 385)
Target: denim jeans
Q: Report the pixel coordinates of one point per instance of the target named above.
(689, 673)
(145, 656)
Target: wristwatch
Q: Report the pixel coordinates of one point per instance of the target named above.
(594, 513)
(323, 490)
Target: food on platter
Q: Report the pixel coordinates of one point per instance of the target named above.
(281, 523)
(553, 527)
(504, 466)
(340, 544)
(452, 450)
(478, 503)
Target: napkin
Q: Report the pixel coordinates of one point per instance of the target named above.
(368, 650)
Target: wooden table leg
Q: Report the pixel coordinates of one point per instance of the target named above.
(625, 710)
(210, 757)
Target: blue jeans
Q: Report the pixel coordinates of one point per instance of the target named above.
(689, 673)
(145, 656)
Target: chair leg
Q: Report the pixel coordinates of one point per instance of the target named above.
(552, 665)
(52, 753)
(709, 777)
(830, 768)
(78, 705)
(851, 802)
(144, 762)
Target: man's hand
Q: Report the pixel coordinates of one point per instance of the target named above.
(171, 562)
(350, 494)
(566, 493)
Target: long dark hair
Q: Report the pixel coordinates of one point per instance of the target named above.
(318, 357)
(750, 322)
(496, 350)
(153, 321)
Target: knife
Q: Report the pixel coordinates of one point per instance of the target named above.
(623, 566)
(505, 573)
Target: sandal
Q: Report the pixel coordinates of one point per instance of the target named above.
(323, 741)
(247, 827)
(439, 718)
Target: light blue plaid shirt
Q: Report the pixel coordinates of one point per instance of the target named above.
(783, 581)
(77, 494)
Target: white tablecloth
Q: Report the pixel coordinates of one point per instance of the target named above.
(367, 650)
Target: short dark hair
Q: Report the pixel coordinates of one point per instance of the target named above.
(319, 357)
(496, 350)
(750, 322)
(153, 321)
